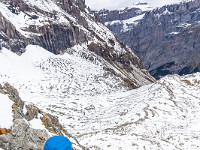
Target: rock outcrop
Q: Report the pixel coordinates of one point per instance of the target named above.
(22, 134)
(166, 39)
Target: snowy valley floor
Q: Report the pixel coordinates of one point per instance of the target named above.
(100, 113)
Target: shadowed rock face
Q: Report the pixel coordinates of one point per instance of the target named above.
(58, 25)
(166, 39)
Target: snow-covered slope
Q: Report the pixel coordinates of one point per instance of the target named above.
(164, 115)
(71, 73)
(61, 84)
(98, 111)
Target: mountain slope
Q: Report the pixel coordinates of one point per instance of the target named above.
(86, 84)
(59, 26)
(60, 58)
(165, 38)
(163, 115)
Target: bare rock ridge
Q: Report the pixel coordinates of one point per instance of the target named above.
(22, 135)
(58, 25)
(166, 39)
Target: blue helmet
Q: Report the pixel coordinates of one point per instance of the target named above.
(58, 143)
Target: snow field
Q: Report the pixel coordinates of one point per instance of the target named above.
(93, 106)
(6, 117)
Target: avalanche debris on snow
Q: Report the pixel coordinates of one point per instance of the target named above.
(164, 115)
(97, 110)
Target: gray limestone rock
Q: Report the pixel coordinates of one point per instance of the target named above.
(22, 135)
(166, 39)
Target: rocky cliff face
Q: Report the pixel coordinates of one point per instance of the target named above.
(120, 20)
(58, 25)
(166, 39)
(45, 29)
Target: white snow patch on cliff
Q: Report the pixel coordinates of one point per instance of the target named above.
(36, 124)
(18, 21)
(45, 5)
(128, 23)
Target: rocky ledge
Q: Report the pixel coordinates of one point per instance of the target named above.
(22, 135)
